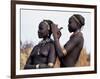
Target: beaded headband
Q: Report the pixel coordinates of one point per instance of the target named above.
(76, 19)
(47, 24)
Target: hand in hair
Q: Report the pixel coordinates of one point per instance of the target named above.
(56, 31)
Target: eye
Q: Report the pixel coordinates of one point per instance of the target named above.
(40, 28)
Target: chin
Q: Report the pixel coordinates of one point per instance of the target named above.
(40, 36)
(70, 30)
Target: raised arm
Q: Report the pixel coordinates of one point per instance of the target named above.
(56, 36)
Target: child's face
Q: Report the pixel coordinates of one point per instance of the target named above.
(72, 26)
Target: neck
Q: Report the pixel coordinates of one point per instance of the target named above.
(45, 38)
(76, 31)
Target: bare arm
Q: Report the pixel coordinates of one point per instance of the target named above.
(59, 50)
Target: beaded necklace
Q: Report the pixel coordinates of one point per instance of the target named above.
(43, 43)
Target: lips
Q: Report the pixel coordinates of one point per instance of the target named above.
(40, 34)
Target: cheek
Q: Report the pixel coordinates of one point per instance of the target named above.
(73, 25)
(45, 32)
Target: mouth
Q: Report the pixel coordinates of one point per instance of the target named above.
(40, 35)
(70, 30)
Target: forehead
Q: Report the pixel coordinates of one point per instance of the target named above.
(71, 19)
(43, 24)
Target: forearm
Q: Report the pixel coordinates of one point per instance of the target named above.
(58, 48)
(29, 66)
(37, 66)
(45, 66)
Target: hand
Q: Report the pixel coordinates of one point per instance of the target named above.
(54, 28)
(56, 31)
(59, 34)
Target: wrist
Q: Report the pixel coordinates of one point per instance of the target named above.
(56, 39)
